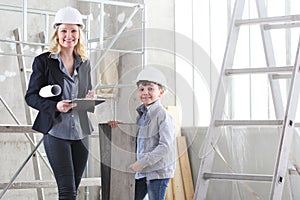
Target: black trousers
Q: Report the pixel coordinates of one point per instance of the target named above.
(68, 160)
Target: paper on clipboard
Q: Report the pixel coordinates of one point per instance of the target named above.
(86, 103)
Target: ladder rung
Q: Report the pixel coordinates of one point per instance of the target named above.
(13, 128)
(281, 26)
(267, 20)
(248, 122)
(269, 70)
(281, 76)
(232, 176)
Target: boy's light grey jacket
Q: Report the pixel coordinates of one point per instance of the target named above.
(156, 144)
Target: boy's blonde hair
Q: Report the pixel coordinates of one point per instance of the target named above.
(79, 49)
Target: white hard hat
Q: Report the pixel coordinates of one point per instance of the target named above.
(68, 15)
(152, 74)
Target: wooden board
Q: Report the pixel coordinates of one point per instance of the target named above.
(177, 183)
(123, 148)
(169, 194)
(13, 128)
(85, 182)
(185, 168)
(175, 190)
(173, 110)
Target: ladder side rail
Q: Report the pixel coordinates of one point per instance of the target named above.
(270, 60)
(285, 142)
(287, 132)
(21, 62)
(207, 161)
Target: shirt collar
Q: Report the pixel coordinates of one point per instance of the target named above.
(77, 59)
(142, 108)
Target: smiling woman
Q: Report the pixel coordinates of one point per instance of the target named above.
(65, 129)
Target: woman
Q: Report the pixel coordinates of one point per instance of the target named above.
(65, 128)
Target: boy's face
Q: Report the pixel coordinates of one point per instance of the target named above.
(149, 93)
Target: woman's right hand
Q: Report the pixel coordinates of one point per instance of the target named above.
(65, 106)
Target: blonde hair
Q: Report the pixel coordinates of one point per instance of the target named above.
(79, 49)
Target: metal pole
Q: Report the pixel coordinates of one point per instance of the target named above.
(101, 25)
(144, 55)
(26, 134)
(116, 37)
(24, 20)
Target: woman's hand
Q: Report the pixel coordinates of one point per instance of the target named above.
(65, 106)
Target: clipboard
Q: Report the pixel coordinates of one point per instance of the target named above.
(86, 103)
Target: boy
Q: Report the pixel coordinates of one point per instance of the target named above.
(156, 138)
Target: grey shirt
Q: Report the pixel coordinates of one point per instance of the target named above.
(69, 127)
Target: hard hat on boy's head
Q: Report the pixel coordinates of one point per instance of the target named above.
(152, 74)
(68, 15)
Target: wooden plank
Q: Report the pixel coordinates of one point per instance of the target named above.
(173, 110)
(12, 128)
(185, 168)
(123, 153)
(178, 190)
(43, 39)
(85, 182)
(175, 190)
(15, 128)
(169, 194)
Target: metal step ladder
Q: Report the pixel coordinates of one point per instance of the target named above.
(284, 118)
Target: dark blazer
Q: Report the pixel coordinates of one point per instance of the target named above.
(45, 71)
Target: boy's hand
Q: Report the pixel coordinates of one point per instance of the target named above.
(90, 95)
(136, 167)
(113, 123)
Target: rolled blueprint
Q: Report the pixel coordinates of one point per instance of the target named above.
(50, 91)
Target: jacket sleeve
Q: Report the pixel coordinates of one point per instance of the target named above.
(38, 79)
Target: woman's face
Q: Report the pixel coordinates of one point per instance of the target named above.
(68, 35)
